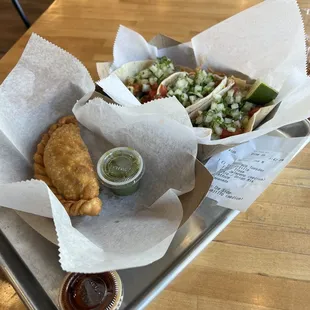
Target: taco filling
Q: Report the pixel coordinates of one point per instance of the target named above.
(144, 84)
(229, 113)
(188, 88)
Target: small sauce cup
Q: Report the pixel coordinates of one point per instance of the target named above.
(121, 170)
(97, 291)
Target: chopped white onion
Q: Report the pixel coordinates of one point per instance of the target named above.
(181, 83)
(231, 129)
(217, 97)
(237, 123)
(220, 107)
(146, 87)
(208, 119)
(218, 130)
(213, 106)
(230, 93)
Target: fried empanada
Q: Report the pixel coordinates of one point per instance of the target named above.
(63, 162)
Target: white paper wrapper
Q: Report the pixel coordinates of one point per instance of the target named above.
(232, 47)
(242, 173)
(137, 48)
(130, 231)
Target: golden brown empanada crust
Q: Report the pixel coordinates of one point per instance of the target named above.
(63, 162)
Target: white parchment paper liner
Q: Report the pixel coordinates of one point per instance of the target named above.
(131, 231)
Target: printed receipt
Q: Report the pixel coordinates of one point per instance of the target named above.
(242, 173)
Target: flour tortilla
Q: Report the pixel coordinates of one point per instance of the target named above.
(130, 69)
(259, 116)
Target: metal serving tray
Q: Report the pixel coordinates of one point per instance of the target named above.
(31, 262)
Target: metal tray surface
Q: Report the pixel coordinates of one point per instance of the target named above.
(31, 262)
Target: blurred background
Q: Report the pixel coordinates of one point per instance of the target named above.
(12, 26)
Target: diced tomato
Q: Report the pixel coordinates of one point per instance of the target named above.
(136, 88)
(145, 99)
(152, 93)
(253, 111)
(154, 86)
(163, 91)
(217, 83)
(226, 133)
(149, 97)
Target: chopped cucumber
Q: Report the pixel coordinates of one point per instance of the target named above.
(235, 106)
(159, 73)
(154, 69)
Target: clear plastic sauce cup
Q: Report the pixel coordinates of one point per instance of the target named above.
(121, 169)
(99, 291)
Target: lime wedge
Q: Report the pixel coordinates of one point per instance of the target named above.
(260, 93)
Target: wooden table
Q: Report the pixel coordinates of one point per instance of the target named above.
(262, 260)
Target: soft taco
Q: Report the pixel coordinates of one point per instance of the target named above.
(143, 77)
(189, 88)
(236, 107)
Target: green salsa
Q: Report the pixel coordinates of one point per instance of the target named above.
(121, 169)
(120, 166)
